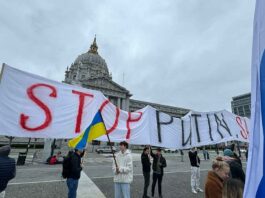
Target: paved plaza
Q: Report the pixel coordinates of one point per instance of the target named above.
(35, 180)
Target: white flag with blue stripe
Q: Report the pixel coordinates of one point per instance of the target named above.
(255, 177)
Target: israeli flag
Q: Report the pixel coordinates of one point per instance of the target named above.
(255, 175)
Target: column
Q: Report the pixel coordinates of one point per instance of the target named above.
(119, 102)
(126, 108)
(47, 149)
(123, 104)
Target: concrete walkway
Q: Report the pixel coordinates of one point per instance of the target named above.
(87, 188)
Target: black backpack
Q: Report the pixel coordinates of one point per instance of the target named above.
(67, 165)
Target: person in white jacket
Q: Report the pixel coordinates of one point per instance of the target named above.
(123, 171)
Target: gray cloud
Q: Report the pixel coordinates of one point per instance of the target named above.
(193, 54)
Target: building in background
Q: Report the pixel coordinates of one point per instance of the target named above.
(90, 70)
(241, 105)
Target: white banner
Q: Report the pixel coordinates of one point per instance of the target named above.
(32, 106)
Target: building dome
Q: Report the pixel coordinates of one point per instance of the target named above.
(90, 58)
(88, 66)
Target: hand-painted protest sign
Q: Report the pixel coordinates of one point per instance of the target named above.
(32, 106)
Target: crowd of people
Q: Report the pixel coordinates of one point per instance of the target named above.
(225, 180)
(123, 171)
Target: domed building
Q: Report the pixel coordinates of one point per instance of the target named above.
(90, 70)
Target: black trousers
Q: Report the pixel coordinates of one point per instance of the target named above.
(146, 183)
(156, 177)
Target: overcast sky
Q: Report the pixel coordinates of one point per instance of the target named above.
(194, 54)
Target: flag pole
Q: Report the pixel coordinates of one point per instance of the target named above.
(109, 142)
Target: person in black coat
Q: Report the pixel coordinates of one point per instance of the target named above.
(75, 172)
(236, 169)
(146, 164)
(246, 154)
(159, 163)
(7, 168)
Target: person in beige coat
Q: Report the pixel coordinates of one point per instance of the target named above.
(123, 172)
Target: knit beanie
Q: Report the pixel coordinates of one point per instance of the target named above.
(228, 152)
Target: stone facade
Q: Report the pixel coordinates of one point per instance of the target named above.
(241, 105)
(90, 70)
(173, 111)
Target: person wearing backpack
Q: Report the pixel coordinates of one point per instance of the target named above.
(72, 168)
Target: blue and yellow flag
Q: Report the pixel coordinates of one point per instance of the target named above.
(93, 131)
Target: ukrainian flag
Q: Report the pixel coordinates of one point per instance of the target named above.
(93, 131)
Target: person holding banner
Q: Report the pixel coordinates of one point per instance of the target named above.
(79, 143)
(195, 171)
(146, 164)
(75, 172)
(123, 171)
(159, 164)
(216, 177)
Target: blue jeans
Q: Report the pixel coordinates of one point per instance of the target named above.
(72, 185)
(122, 190)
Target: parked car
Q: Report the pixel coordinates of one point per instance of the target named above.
(105, 149)
(167, 150)
(243, 150)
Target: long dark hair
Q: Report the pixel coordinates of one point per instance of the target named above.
(233, 188)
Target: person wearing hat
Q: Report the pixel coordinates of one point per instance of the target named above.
(236, 169)
(7, 169)
(75, 172)
(159, 163)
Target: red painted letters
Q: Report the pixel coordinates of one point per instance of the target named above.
(114, 126)
(129, 120)
(244, 132)
(48, 119)
(80, 108)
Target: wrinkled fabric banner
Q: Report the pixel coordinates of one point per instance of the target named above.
(32, 106)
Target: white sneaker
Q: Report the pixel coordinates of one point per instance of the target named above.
(194, 191)
(199, 190)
